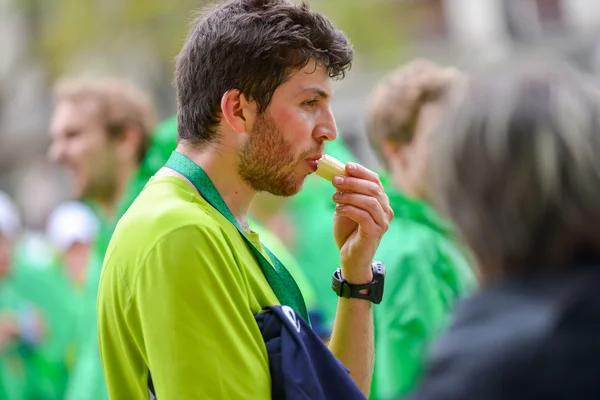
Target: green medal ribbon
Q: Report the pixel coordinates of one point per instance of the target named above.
(278, 277)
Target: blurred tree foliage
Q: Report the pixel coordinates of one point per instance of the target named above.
(378, 29)
(63, 29)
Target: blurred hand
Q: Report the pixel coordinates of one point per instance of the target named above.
(362, 216)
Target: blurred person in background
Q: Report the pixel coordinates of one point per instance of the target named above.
(72, 228)
(21, 325)
(102, 133)
(428, 270)
(515, 165)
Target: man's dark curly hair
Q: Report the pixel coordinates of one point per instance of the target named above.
(253, 46)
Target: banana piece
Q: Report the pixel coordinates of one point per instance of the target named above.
(328, 167)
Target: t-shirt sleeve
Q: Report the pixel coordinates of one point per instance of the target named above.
(199, 333)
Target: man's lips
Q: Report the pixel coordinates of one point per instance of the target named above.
(313, 161)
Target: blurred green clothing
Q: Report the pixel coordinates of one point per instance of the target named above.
(87, 379)
(315, 250)
(427, 271)
(15, 356)
(39, 278)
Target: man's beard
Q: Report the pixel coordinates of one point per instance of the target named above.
(102, 184)
(267, 162)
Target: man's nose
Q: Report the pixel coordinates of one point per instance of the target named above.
(326, 130)
(56, 152)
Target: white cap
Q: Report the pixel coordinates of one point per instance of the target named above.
(70, 223)
(10, 222)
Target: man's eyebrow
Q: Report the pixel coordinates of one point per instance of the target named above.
(320, 92)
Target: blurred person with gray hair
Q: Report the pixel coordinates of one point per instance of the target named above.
(427, 268)
(515, 164)
(105, 134)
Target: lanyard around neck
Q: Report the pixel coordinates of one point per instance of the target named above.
(282, 283)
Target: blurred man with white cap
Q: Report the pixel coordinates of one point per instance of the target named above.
(72, 228)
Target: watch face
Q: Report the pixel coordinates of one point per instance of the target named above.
(378, 268)
(337, 282)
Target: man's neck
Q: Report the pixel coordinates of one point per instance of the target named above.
(401, 182)
(109, 204)
(221, 168)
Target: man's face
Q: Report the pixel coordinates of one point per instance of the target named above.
(81, 144)
(286, 141)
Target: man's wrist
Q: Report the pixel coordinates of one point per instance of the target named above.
(369, 288)
(358, 276)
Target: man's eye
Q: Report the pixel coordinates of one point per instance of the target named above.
(71, 134)
(310, 103)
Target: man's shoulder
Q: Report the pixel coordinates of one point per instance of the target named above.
(415, 253)
(166, 211)
(166, 204)
(411, 237)
(407, 241)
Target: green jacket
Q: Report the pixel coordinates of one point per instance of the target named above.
(87, 378)
(15, 371)
(427, 271)
(35, 266)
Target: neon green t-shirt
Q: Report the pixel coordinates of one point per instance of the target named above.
(86, 380)
(178, 295)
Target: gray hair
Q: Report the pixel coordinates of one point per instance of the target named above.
(516, 165)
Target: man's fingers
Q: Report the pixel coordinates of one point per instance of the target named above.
(359, 171)
(366, 203)
(358, 185)
(350, 184)
(362, 218)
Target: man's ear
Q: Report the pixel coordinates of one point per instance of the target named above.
(394, 152)
(129, 141)
(238, 111)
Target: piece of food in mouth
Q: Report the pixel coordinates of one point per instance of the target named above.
(328, 167)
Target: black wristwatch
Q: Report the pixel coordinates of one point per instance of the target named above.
(375, 288)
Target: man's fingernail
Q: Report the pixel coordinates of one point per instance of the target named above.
(338, 180)
(351, 166)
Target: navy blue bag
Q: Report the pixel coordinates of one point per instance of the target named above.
(301, 366)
